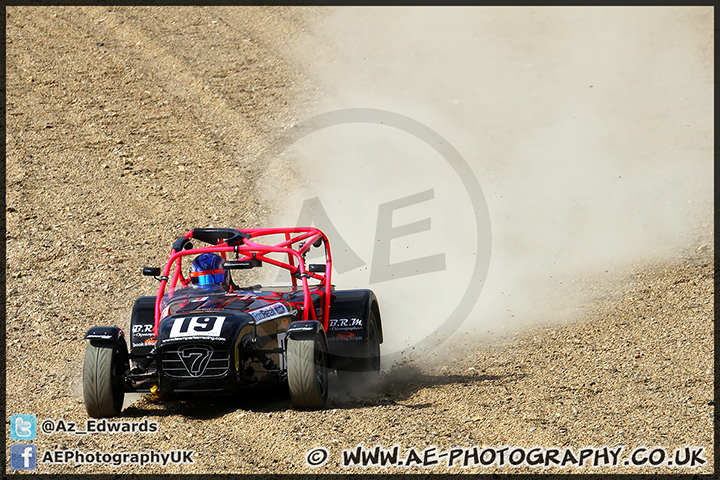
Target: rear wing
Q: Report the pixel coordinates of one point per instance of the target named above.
(250, 245)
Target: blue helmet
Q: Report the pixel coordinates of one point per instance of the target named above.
(207, 269)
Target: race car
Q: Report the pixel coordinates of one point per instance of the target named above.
(204, 334)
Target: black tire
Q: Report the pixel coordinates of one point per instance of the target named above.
(103, 376)
(353, 379)
(307, 373)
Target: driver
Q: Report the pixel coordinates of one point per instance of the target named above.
(207, 271)
(207, 278)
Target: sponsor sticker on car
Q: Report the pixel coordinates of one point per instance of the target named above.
(271, 311)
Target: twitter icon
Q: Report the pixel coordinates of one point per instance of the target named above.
(23, 427)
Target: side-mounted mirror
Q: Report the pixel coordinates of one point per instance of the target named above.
(151, 271)
(317, 268)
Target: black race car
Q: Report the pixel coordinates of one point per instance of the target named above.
(227, 338)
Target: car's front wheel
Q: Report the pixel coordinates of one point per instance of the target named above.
(103, 377)
(307, 373)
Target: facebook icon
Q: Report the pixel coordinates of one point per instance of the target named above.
(23, 456)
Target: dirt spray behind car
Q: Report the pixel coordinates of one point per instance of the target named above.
(576, 139)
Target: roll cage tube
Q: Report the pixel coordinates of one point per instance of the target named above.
(243, 243)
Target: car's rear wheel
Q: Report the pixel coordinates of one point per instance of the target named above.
(370, 363)
(103, 377)
(307, 373)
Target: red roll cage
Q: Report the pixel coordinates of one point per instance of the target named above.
(243, 243)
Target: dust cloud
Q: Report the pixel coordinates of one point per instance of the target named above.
(590, 131)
